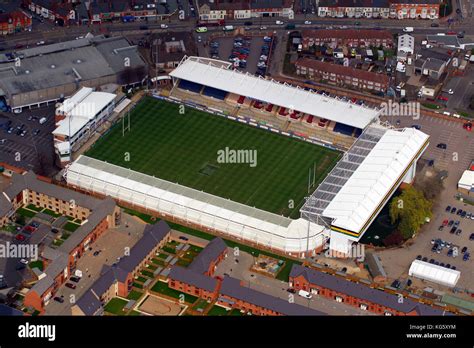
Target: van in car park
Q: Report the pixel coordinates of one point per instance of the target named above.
(305, 294)
(42, 120)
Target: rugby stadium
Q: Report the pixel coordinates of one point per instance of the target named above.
(324, 167)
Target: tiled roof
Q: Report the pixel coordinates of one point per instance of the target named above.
(152, 236)
(343, 70)
(361, 292)
(188, 276)
(232, 287)
(209, 254)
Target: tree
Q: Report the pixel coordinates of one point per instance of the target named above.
(430, 186)
(394, 238)
(410, 210)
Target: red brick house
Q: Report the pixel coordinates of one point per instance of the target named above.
(14, 22)
(349, 37)
(341, 75)
(355, 294)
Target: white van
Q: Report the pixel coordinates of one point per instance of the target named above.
(408, 29)
(42, 120)
(305, 294)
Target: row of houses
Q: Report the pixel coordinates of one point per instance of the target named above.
(395, 9)
(97, 215)
(14, 22)
(356, 294)
(340, 75)
(228, 292)
(117, 280)
(346, 37)
(100, 11)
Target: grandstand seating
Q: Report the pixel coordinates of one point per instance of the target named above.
(310, 119)
(269, 108)
(343, 129)
(257, 105)
(190, 86)
(283, 112)
(357, 132)
(214, 93)
(241, 99)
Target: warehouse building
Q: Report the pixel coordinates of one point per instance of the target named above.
(53, 72)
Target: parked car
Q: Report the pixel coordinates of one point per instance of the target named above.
(448, 208)
(453, 210)
(471, 237)
(442, 146)
(70, 286)
(291, 290)
(75, 279)
(58, 299)
(396, 284)
(466, 257)
(20, 237)
(419, 257)
(464, 250)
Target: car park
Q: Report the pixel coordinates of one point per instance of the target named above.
(70, 286)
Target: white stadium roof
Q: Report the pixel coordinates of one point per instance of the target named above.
(434, 273)
(154, 194)
(214, 74)
(360, 184)
(85, 109)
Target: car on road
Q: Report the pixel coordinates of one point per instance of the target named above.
(201, 30)
(24, 261)
(291, 290)
(163, 26)
(305, 294)
(39, 43)
(96, 253)
(59, 299)
(263, 28)
(184, 238)
(279, 23)
(54, 230)
(307, 22)
(467, 126)
(70, 286)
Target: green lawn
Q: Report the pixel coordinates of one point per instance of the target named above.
(34, 207)
(145, 217)
(36, 264)
(217, 310)
(115, 306)
(164, 289)
(134, 295)
(50, 212)
(71, 227)
(147, 273)
(25, 212)
(184, 149)
(141, 279)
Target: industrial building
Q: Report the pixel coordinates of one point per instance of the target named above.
(53, 72)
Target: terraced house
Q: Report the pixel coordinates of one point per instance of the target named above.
(395, 9)
(116, 280)
(97, 215)
(356, 294)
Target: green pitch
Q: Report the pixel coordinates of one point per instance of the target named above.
(184, 149)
